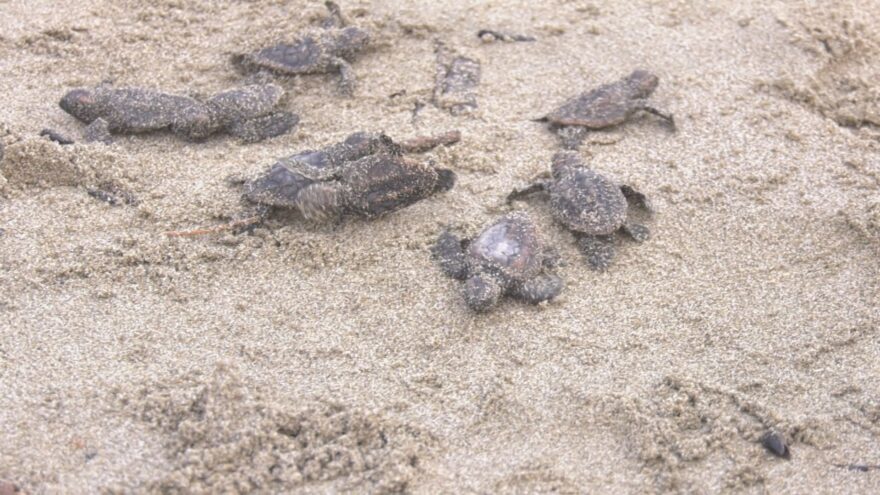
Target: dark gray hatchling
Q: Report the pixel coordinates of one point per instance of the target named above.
(590, 205)
(324, 51)
(506, 258)
(606, 106)
(456, 81)
(365, 175)
(248, 112)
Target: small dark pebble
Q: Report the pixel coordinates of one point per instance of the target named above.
(90, 455)
(774, 443)
(53, 135)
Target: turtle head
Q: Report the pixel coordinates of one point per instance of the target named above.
(564, 162)
(351, 40)
(642, 82)
(482, 291)
(82, 104)
(445, 180)
(383, 142)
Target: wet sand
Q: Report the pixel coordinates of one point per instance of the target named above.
(311, 358)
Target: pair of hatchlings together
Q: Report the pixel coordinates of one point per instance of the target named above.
(369, 175)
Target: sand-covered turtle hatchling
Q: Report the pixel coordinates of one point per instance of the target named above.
(606, 106)
(366, 175)
(248, 112)
(324, 51)
(507, 258)
(591, 205)
(456, 81)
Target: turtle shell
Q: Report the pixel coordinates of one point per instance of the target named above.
(608, 105)
(300, 57)
(587, 202)
(385, 182)
(509, 247)
(602, 107)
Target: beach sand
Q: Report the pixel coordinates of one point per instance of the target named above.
(311, 359)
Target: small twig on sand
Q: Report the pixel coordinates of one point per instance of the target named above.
(244, 222)
(422, 144)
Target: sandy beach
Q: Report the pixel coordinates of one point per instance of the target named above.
(298, 357)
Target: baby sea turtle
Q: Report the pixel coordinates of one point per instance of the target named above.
(507, 257)
(323, 51)
(608, 105)
(246, 112)
(456, 81)
(591, 205)
(366, 175)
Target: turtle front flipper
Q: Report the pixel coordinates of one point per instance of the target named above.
(635, 198)
(538, 289)
(347, 77)
(267, 126)
(637, 232)
(450, 255)
(321, 201)
(279, 186)
(98, 132)
(667, 118)
(335, 19)
(517, 194)
(599, 250)
(572, 136)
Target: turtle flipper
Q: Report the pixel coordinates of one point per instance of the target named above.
(667, 118)
(522, 193)
(599, 250)
(264, 127)
(636, 198)
(449, 253)
(541, 288)
(320, 201)
(335, 20)
(638, 232)
(572, 136)
(98, 131)
(347, 77)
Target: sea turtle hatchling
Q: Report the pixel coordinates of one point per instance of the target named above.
(323, 51)
(608, 105)
(591, 205)
(365, 175)
(247, 112)
(455, 81)
(507, 257)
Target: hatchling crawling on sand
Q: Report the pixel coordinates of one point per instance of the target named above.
(506, 258)
(247, 112)
(590, 205)
(328, 50)
(606, 106)
(366, 175)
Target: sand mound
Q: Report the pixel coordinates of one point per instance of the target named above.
(688, 427)
(846, 85)
(226, 437)
(37, 162)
